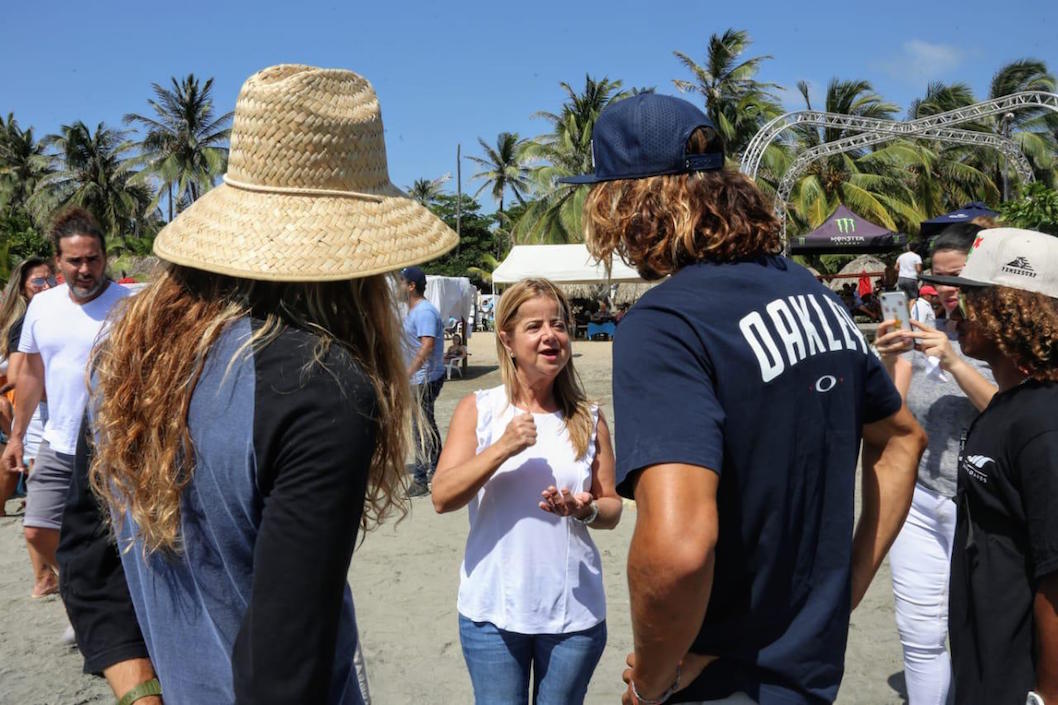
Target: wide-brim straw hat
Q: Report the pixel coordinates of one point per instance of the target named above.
(307, 196)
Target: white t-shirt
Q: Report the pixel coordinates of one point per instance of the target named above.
(908, 263)
(525, 570)
(63, 332)
(922, 312)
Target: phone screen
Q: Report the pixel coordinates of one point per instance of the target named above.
(894, 307)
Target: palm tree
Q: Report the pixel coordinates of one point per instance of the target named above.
(504, 167)
(23, 163)
(95, 170)
(1036, 130)
(948, 175)
(426, 191)
(735, 101)
(554, 213)
(184, 145)
(870, 183)
(484, 272)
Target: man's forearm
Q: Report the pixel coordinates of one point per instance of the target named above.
(29, 388)
(669, 595)
(417, 363)
(888, 486)
(126, 675)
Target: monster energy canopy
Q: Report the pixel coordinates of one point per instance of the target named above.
(844, 232)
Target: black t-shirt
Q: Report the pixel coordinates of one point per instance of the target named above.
(1006, 540)
(14, 333)
(756, 371)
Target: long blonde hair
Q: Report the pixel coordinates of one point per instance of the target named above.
(148, 369)
(569, 393)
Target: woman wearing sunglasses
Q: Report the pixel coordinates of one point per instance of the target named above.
(945, 391)
(29, 278)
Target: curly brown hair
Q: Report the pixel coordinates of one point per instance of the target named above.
(1023, 325)
(148, 368)
(661, 224)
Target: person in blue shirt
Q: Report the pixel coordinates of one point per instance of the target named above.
(424, 355)
(742, 389)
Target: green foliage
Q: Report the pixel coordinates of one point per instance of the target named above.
(735, 101)
(19, 239)
(503, 167)
(95, 170)
(185, 143)
(1035, 209)
(553, 215)
(476, 240)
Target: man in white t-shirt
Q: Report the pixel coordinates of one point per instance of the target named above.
(910, 266)
(922, 307)
(60, 328)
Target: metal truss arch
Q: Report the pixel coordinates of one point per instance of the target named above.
(1007, 147)
(751, 159)
(940, 127)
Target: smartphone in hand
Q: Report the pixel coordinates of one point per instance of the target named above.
(894, 307)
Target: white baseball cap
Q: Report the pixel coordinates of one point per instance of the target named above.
(1010, 257)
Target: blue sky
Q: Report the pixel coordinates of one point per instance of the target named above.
(448, 73)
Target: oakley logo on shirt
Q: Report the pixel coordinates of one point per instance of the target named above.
(794, 328)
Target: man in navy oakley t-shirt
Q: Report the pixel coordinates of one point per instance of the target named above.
(741, 390)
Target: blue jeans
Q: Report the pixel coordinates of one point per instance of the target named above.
(499, 663)
(426, 394)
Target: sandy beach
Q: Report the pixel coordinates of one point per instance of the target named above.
(404, 579)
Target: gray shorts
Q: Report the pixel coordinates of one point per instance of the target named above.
(46, 488)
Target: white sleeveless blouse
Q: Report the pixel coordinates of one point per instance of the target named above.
(526, 570)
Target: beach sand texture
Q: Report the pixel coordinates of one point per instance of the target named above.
(404, 578)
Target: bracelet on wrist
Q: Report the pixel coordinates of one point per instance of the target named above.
(143, 690)
(640, 700)
(592, 515)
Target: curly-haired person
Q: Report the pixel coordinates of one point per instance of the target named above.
(742, 390)
(1003, 615)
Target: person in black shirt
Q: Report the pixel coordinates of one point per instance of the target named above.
(1003, 615)
(249, 412)
(742, 389)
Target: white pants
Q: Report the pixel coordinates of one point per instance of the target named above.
(920, 560)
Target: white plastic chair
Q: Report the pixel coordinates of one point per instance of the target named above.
(456, 364)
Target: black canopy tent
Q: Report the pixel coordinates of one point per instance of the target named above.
(933, 226)
(845, 233)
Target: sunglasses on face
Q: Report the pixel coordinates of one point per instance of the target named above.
(42, 281)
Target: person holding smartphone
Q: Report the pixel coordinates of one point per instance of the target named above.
(945, 391)
(1004, 572)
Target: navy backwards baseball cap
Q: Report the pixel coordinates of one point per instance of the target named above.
(646, 135)
(414, 275)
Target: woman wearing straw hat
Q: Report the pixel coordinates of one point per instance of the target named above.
(272, 334)
(533, 460)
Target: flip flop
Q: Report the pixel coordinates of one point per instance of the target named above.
(47, 593)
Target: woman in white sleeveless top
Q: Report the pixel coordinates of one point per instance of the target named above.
(533, 462)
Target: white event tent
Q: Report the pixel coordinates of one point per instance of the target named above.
(562, 264)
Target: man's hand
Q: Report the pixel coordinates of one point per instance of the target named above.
(12, 458)
(690, 668)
